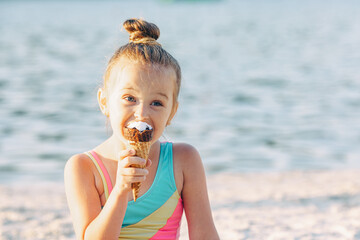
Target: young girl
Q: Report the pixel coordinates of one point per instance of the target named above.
(141, 84)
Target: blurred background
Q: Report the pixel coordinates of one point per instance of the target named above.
(267, 85)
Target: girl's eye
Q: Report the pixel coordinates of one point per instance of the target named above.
(130, 99)
(156, 103)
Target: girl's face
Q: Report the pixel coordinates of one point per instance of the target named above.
(141, 93)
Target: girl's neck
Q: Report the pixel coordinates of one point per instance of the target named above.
(110, 148)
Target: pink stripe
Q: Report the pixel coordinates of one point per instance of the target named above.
(172, 226)
(103, 169)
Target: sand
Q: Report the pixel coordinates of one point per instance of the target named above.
(290, 205)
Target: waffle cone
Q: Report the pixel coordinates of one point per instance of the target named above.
(141, 142)
(142, 150)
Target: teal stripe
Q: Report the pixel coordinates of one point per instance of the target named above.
(171, 167)
(160, 191)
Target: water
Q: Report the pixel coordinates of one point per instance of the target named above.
(268, 85)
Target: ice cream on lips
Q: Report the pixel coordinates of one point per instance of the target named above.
(138, 132)
(141, 126)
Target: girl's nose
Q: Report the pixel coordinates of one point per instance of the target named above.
(141, 112)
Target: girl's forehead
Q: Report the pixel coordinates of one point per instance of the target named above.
(144, 75)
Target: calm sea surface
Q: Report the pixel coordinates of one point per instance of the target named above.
(267, 85)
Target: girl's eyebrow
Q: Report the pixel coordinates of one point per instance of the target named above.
(163, 95)
(129, 88)
(158, 93)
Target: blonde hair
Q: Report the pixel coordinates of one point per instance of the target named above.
(144, 48)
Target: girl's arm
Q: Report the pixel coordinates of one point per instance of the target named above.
(90, 221)
(194, 194)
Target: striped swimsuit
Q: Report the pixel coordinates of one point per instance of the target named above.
(157, 213)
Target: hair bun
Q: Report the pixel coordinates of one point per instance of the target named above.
(141, 31)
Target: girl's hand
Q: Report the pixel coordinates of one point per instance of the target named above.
(127, 173)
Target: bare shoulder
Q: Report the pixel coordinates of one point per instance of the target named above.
(78, 163)
(185, 152)
(78, 169)
(81, 191)
(79, 173)
(187, 157)
(187, 161)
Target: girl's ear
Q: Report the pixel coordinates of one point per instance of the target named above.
(102, 101)
(173, 112)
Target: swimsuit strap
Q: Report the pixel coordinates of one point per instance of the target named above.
(102, 171)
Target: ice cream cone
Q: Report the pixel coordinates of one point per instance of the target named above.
(142, 150)
(140, 141)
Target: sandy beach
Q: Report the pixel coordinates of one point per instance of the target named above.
(290, 205)
(268, 86)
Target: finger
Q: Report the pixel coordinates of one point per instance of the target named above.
(132, 162)
(134, 172)
(127, 152)
(134, 179)
(148, 163)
